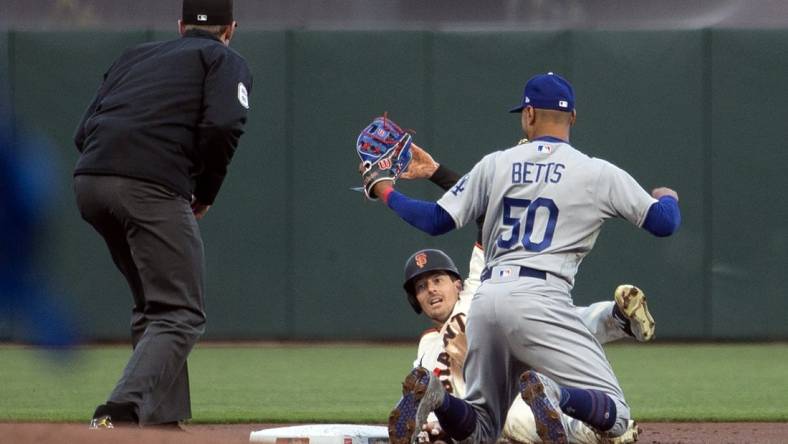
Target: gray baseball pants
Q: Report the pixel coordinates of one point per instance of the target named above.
(155, 242)
(521, 323)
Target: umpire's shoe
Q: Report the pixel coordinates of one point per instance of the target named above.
(112, 414)
(102, 422)
(632, 312)
(421, 394)
(543, 397)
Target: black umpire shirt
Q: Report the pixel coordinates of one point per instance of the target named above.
(168, 112)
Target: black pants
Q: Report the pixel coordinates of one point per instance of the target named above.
(155, 242)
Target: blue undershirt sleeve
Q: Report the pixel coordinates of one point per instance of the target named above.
(428, 217)
(663, 217)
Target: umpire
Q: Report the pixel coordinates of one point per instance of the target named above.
(155, 144)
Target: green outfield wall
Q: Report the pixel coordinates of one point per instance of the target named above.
(293, 254)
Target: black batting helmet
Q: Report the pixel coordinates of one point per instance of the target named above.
(424, 261)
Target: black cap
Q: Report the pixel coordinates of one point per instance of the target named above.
(425, 261)
(207, 12)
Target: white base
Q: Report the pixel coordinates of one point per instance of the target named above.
(323, 434)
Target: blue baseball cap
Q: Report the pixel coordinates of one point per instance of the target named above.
(547, 91)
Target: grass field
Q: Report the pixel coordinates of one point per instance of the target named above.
(359, 383)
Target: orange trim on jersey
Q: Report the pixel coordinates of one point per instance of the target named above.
(428, 331)
(479, 246)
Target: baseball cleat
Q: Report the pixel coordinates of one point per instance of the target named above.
(578, 432)
(631, 303)
(432, 399)
(630, 435)
(103, 422)
(402, 420)
(543, 397)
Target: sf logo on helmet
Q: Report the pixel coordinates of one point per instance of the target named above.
(421, 260)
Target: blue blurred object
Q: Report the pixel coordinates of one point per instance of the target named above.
(25, 181)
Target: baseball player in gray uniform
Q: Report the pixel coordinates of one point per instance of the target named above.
(434, 288)
(545, 203)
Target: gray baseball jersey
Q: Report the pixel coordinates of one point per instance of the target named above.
(525, 189)
(434, 354)
(545, 203)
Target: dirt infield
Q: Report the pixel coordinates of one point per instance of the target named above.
(652, 433)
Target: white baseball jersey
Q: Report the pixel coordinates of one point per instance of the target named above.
(523, 191)
(432, 353)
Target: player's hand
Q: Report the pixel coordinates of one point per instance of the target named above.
(380, 187)
(656, 193)
(432, 432)
(422, 165)
(199, 209)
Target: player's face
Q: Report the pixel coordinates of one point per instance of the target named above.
(437, 293)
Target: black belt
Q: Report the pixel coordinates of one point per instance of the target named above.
(524, 272)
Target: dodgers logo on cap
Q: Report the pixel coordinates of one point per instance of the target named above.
(547, 91)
